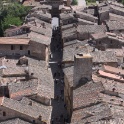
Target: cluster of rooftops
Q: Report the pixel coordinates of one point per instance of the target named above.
(26, 82)
(95, 31)
(93, 63)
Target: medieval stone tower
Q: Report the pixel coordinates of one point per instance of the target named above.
(82, 68)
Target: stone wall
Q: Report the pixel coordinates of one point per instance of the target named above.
(34, 49)
(68, 95)
(6, 114)
(7, 50)
(37, 50)
(82, 68)
(109, 43)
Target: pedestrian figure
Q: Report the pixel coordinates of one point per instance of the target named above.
(65, 106)
(52, 121)
(62, 91)
(56, 81)
(54, 76)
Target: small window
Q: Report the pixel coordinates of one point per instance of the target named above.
(99, 42)
(4, 113)
(33, 121)
(111, 41)
(28, 52)
(12, 47)
(21, 47)
(27, 30)
(24, 29)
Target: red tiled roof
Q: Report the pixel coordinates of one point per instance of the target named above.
(21, 93)
(113, 70)
(111, 76)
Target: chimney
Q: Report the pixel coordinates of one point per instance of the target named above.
(40, 118)
(82, 69)
(44, 25)
(44, 11)
(35, 23)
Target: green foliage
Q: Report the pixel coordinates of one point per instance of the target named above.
(74, 2)
(12, 14)
(122, 1)
(16, 10)
(11, 20)
(90, 1)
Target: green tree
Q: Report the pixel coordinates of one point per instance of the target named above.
(122, 1)
(13, 14)
(10, 20)
(74, 2)
(16, 10)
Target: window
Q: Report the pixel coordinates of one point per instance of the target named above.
(111, 41)
(99, 42)
(12, 47)
(21, 47)
(28, 52)
(33, 121)
(27, 30)
(4, 113)
(24, 29)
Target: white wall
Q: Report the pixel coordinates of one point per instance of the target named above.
(81, 3)
(55, 22)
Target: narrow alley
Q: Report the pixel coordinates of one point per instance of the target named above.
(59, 114)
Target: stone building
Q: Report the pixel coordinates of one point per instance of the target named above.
(15, 121)
(13, 46)
(74, 47)
(104, 57)
(103, 11)
(99, 91)
(40, 45)
(86, 16)
(42, 15)
(115, 26)
(84, 31)
(107, 40)
(42, 30)
(119, 54)
(82, 62)
(117, 10)
(99, 57)
(67, 18)
(25, 46)
(30, 112)
(23, 78)
(114, 17)
(24, 29)
(81, 32)
(73, 77)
